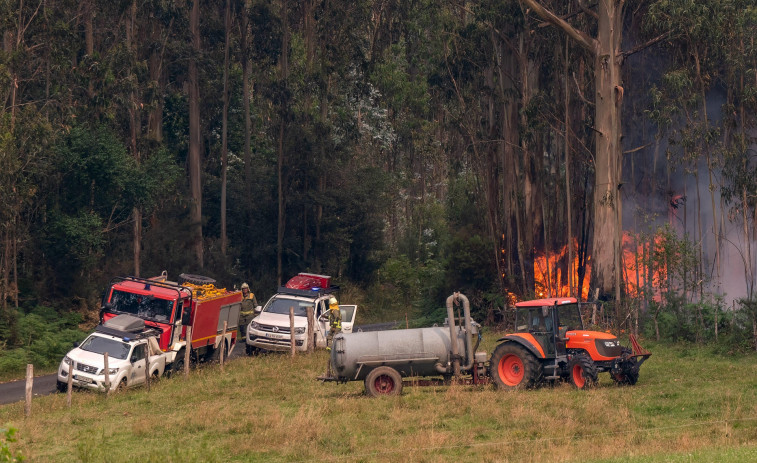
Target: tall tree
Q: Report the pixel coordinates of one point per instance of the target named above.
(608, 98)
(195, 140)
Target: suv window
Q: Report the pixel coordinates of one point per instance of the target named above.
(138, 353)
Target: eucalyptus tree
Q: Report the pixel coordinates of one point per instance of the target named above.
(608, 56)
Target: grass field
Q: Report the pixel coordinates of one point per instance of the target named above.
(689, 406)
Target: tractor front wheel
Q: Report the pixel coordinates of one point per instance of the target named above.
(582, 371)
(383, 381)
(513, 367)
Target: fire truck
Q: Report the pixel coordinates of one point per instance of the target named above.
(172, 306)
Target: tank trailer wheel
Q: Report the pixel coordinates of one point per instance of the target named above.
(197, 279)
(513, 367)
(582, 371)
(383, 381)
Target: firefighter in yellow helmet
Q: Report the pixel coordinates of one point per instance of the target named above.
(247, 312)
(335, 321)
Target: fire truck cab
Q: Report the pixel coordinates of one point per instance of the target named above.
(170, 307)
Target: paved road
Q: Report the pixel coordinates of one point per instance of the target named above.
(15, 391)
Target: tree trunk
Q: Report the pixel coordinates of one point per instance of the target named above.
(568, 212)
(284, 72)
(195, 143)
(608, 98)
(225, 125)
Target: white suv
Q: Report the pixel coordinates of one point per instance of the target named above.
(126, 357)
(270, 329)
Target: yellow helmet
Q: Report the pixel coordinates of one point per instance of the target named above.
(333, 304)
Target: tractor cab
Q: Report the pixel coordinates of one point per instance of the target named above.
(547, 321)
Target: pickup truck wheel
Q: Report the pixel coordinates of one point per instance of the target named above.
(61, 386)
(383, 381)
(121, 386)
(251, 350)
(155, 377)
(197, 279)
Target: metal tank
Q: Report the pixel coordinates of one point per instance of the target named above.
(412, 352)
(382, 358)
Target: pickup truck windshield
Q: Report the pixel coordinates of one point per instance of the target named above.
(143, 306)
(281, 306)
(100, 345)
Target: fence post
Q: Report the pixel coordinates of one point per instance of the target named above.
(223, 341)
(29, 386)
(70, 384)
(311, 330)
(291, 329)
(186, 351)
(147, 367)
(107, 374)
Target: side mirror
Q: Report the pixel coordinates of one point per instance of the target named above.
(185, 317)
(258, 309)
(76, 343)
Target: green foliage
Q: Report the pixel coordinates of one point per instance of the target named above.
(42, 337)
(6, 454)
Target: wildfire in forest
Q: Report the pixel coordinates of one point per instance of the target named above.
(551, 279)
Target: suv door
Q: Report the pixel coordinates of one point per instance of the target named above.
(322, 321)
(348, 317)
(137, 359)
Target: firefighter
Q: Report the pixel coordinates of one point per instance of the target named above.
(335, 321)
(248, 309)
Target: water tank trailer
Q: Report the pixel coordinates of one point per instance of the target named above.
(382, 358)
(549, 343)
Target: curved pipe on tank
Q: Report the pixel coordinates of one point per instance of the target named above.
(468, 331)
(457, 296)
(453, 335)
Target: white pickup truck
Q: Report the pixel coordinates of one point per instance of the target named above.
(126, 341)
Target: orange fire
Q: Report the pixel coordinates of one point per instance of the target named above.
(550, 277)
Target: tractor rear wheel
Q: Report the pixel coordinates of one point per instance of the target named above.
(383, 381)
(513, 367)
(582, 372)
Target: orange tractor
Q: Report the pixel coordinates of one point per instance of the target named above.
(550, 343)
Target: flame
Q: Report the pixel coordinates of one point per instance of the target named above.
(551, 279)
(637, 274)
(551, 276)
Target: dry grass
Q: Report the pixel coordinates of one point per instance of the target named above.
(688, 406)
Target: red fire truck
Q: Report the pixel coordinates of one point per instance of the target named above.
(171, 307)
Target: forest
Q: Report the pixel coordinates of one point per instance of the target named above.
(508, 149)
